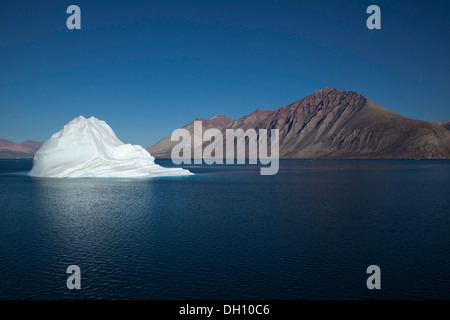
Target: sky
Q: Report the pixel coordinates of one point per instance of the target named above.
(150, 67)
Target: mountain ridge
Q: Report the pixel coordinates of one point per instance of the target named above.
(443, 123)
(26, 149)
(330, 123)
(325, 124)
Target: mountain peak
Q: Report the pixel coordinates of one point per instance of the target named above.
(220, 116)
(257, 115)
(324, 101)
(219, 121)
(443, 123)
(327, 89)
(337, 92)
(330, 123)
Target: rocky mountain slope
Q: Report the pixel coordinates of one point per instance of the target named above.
(336, 124)
(9, 149)
(443, 123)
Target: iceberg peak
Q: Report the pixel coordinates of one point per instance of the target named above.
(90, 148)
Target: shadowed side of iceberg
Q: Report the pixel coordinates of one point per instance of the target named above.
(89, 148)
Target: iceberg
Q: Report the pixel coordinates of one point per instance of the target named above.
(89, 148)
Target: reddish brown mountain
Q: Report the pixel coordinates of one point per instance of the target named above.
(338, 124)
(443, 123)
(9, 149)
(164, 147)
(32, 145)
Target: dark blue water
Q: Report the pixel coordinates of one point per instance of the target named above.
(309, 232)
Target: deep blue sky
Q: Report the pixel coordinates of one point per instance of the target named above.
(148, 67)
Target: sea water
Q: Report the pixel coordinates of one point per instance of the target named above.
(308, 232)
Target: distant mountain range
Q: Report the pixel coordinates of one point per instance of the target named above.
(9, 149)
(336, 124)
(326, 124)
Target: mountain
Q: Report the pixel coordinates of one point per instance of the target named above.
(443, 123)
(164, 147)
(90, 148)
(32, 145)
(339, 124)
(9, 149)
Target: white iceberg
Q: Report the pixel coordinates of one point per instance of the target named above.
(89, 148)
